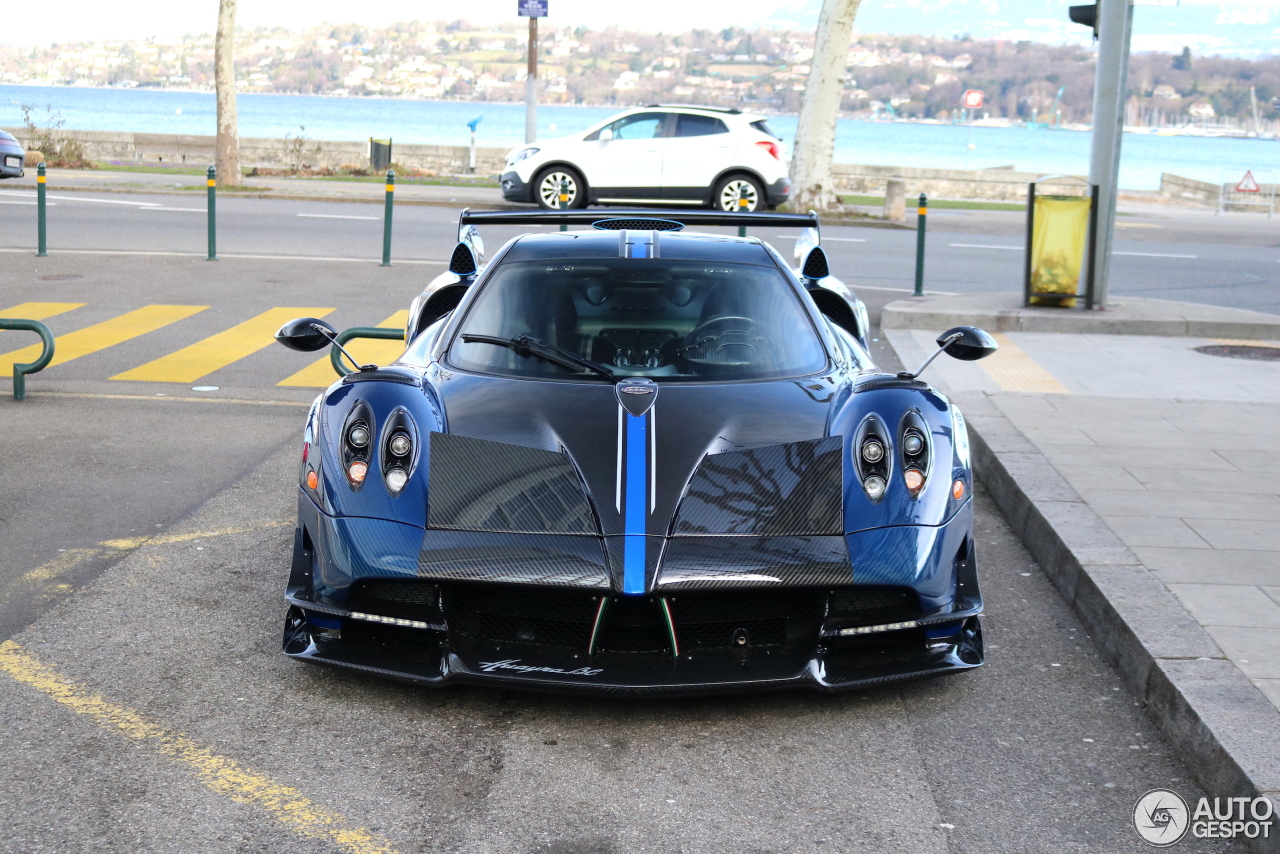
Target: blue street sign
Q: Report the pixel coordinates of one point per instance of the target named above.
(533, 8)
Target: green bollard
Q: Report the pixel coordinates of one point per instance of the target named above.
(21, 369)
(564, 200)
(211, 185)
(386, 220)
(920, 221)
(42, 250)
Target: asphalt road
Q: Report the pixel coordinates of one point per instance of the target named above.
(1232, 260)
(147, 528)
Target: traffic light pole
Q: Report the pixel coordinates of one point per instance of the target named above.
(1114, 24)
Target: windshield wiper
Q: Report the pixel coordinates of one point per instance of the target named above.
(527, 345)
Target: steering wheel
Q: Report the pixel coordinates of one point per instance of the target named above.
(724, 318)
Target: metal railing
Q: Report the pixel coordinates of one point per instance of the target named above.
(21, 369)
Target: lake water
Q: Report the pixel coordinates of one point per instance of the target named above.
(445, 123)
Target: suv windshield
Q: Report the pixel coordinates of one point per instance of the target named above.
(670, 320)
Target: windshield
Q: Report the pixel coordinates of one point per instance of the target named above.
(669, 320)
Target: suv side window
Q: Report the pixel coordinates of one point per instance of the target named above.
(639, 126)
(691, 125)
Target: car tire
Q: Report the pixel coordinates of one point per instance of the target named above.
(724, 197)
(546, 188)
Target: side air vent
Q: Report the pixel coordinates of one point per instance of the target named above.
(638, 224)
(463, 261)
(815, 264)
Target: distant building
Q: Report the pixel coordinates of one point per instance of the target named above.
(1201, 110)
(1164, 90)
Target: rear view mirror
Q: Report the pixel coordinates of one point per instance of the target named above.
(967, 343)
(305, 335)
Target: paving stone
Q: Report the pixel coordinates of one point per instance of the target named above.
(1180, 504)
(1274, 592)
(1203, 566)
(1255, 651)
(1073, 455)
(1228, 605)
(1039, 480)
(1270, 688)
(1236, 533)
(1090, 539)
(1136, 435)
(1099, 477)
(1155, 531)
(1253, 462)
(1203, 480)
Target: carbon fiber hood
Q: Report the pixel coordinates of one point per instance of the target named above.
(752, 487)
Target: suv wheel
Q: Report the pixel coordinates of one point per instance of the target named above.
(546, 188)
(731, 192)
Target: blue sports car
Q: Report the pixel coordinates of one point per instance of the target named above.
(629, 458)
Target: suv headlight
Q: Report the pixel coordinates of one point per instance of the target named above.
(524, 154)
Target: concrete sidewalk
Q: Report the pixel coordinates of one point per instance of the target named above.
(1142, 474)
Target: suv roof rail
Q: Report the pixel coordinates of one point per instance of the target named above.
(733, 111)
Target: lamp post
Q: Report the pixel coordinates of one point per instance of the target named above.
(533, 10)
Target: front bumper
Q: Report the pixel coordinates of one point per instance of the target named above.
(390, 620)
(514, 188)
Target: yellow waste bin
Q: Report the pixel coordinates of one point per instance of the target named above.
(1058, 233)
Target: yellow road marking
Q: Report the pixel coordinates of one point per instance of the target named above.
(218, 773)
(1014, 370)
(217, 351)
(164, 397)
(100, 336)
(38, 310)
(319, 374)
(1245, 342)
(72, 558)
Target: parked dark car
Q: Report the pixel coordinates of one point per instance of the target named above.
(12, 156)
(631, 459)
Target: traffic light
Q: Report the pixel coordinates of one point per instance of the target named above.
(1086, 16)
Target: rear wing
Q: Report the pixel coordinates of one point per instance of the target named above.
(582, 217)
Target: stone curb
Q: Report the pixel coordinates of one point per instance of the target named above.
(1221, 725)
(1137, 317)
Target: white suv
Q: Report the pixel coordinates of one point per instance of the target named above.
(670, 154)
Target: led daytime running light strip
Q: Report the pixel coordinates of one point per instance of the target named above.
(390, 621)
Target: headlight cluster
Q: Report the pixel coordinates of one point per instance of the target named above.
(525, 154)
(398, 452)
(877, 458)
(915, 452)
(873, 459)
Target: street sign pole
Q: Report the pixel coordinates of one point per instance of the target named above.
(533, 10)
(531, 86)
(1114, 25)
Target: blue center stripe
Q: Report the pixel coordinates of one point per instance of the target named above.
(636, 505)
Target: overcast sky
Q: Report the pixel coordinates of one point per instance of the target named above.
(95, 19)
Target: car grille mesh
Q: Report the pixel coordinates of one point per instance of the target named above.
(408, 600)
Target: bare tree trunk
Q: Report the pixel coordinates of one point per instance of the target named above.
(227, 156)
(816, 130)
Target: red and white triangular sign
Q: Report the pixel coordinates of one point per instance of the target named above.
(1248, 184)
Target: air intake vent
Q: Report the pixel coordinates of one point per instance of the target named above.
(638, 224)
(815, 264)
(463, 261)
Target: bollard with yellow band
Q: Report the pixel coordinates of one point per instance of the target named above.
(564, 200)
(211, 184)
(921, 213)
(42, 249)
(386, 219)
(743, 201)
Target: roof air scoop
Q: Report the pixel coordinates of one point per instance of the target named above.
(638, 244)
(463, 261)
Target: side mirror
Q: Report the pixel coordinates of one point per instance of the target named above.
(971, 345)
(606, 135)
(305, 335)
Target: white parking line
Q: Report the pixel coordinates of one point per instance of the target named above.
(1152, 255)
(826, 239)
(186, 210)
(337, 216)
(2, 202)
(983, 246)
